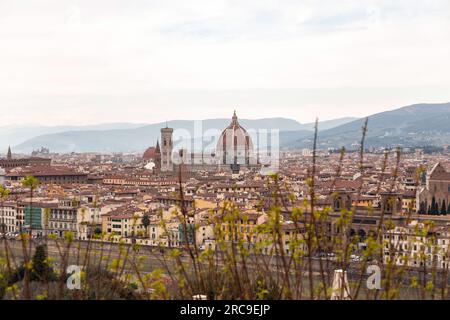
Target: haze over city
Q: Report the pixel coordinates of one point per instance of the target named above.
(100, 61)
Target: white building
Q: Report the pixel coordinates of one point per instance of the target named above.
(2, 176)
(8, 217)
(412, 246)
(307, 153)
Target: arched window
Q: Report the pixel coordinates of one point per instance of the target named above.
(337, 204)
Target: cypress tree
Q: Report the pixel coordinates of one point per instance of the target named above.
(444, 208)
(434, 207)
(145, 223)
(422, 208)
(41, 269)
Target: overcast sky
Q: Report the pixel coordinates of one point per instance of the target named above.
(95, 61)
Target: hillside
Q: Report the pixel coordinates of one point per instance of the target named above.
(415, 125)
(137, 139)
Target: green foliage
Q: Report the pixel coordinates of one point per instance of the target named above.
(290, 253)
(30, 182)
(41, 270)
(145, 221)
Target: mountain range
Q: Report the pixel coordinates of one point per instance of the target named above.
(12, 135)
(410, 126)
(134, 137)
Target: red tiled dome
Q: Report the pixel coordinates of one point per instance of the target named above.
(149, 153)
(235, 144)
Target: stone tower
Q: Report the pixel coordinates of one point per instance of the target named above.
(9, 155)
(166, 149)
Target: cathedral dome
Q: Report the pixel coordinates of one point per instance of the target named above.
(149, 154)
(235, 145)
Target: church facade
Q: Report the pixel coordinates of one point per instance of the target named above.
(434, 197)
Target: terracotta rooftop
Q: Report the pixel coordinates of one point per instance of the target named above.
(149, 153)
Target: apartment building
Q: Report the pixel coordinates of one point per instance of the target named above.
(416, 246)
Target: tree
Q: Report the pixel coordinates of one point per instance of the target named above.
(41, 269)
(444, 208)
(3, 194)
(422, 208)
(145, 222)
(32, 183)
(47, 213)
(434, 207)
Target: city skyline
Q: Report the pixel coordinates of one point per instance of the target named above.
(237, 152)
(96, 62)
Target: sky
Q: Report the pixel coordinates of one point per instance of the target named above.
(97, 61)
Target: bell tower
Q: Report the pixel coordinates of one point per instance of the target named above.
(166, 149)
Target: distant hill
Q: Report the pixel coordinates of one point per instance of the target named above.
(415, 125)
(13, 135)
(139, 138)
(410, 126)
(329, 124)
